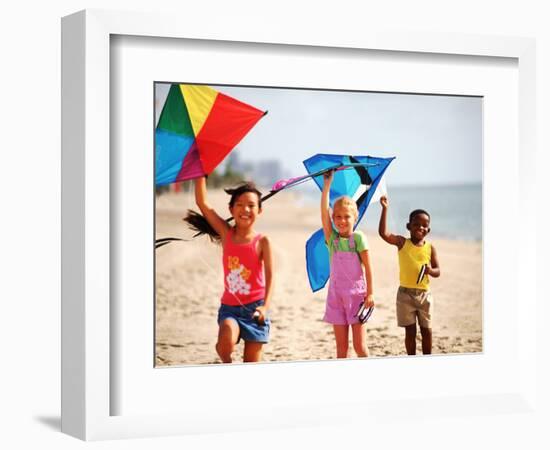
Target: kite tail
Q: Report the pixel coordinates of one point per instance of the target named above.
(197, 222)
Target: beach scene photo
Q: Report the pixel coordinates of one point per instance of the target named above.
(436, 145)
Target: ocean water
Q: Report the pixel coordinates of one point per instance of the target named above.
(456, 211)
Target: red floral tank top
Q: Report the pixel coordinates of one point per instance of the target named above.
(243, 272)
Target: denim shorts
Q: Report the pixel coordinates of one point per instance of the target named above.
(249, 330)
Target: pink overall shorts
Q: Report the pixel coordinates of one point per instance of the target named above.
(347, 287)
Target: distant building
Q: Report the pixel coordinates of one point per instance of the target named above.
(236, 164)
(267, 172)
(263, 172)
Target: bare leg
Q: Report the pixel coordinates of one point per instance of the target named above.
(426, 340)
(228, 335)
(252, 351)
(341, 334)
(410, 339)
(359, 332)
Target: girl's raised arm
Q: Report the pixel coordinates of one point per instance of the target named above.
(325, 214)
(215, 221)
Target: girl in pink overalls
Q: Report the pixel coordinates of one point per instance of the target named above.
(348, 288)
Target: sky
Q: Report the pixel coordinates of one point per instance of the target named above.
(437, 140)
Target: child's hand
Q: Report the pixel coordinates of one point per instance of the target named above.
(263, 314)
(384, 201)
(369, 301)
(327, 176)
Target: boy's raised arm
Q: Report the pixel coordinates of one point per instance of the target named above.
(325, 214)
(215, 221)
(390, 238)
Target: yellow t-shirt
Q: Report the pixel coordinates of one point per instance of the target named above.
(411, 260)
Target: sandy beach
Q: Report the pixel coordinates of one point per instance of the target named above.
(189, 284)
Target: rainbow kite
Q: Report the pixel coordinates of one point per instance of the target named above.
(197, 128)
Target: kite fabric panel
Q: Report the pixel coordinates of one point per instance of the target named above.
(358, 181)
(197, 128)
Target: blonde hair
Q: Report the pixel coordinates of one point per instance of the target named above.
(346, 202)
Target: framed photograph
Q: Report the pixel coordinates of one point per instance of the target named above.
(139, 323)
(436, 141)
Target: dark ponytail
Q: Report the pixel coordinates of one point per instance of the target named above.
(198, 223)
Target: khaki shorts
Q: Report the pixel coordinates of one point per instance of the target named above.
(413, 303)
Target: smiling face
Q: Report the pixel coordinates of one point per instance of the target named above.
(419, 226)
(245, 209)
(344, 219)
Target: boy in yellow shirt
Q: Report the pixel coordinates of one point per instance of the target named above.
(417, 263)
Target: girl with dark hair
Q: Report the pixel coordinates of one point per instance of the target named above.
(248, 271)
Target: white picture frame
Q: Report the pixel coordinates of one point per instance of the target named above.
(87, 326)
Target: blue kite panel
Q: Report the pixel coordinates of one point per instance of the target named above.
(170, 152)
(316, 251)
